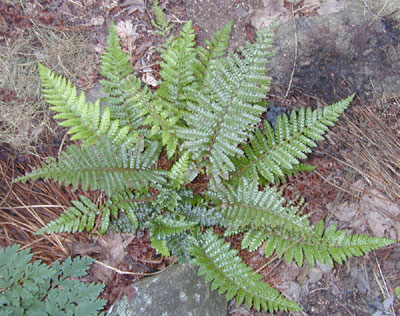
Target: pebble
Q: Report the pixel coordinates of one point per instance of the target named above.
(314, 275)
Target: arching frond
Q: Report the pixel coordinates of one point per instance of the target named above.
(215, 48)
(227, 109)
(323, 245)
(125, 93)
(106, 166)
(277, 153)
(225, 269)
(245, 205)
(161, 23)
(85, 119)
(166, 111)
(79, 217)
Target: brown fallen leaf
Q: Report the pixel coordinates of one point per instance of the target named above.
(109, 249)
(332, 6)
(273, 9)
(374, 212)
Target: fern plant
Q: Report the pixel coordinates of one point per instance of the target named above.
(150, 151)
(28, 288)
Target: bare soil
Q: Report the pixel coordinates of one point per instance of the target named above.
(362, 286)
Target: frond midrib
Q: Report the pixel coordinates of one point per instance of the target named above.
(283, 217)
(111, 169)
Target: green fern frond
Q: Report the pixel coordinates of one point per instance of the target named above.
(177, 69)
(85, 120)
(277, 153)
(106, 166)
(253, 239)
(166, 111)
(83, 214)
(178, 170)
(179, 246)
(337, 245)
(215, 48)
(160, 245)
(245, 205)
(225, 269)
(163, 227)
(162, 24)
(124, 89)
(115, 63)
(76, 218)
(323, 245)
(227, 107)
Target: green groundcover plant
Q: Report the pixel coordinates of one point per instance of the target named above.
(36, 289)
(149, 151)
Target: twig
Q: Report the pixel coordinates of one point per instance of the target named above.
(347, 310)
(379, 13)
(131, 273)
(383, 280)
(61, 145)
(333, 184)
(339, 196)
(177, 20)
(295, 55)
(145, 66)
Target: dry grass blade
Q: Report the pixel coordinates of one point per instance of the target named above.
(24, 116)
(26, 126)
(19, 221)
(373, 137)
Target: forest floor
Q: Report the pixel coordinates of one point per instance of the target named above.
(356, 185)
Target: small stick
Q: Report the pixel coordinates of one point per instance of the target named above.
(295, 55)
(379, 13)
(131, 273)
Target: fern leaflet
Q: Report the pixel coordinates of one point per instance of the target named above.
(253, 239)
(178, 170)
(163, 227)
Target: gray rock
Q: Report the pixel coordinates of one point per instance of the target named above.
(379, 7)
(178, 291)
(338, 54)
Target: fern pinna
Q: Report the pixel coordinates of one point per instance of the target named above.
(204, 118)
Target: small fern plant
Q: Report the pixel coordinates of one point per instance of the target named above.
(191, 157)
(34, 288)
